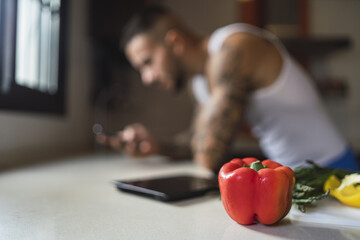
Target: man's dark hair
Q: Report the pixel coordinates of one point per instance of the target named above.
(142, 22)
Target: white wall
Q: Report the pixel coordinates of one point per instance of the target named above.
(28, 137)
(341, 18)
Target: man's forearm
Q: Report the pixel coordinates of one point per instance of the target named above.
(215, 128)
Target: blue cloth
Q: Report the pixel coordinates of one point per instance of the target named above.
(347, 160)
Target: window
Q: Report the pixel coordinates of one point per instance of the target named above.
(32, 55)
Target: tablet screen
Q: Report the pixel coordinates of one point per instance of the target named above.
(169, 188)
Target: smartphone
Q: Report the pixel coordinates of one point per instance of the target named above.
(169, 188)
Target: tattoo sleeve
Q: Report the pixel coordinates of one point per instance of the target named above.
(220, 119)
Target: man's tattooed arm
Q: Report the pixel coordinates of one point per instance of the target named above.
(220, 119)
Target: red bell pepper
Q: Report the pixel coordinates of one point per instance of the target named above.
(253, 190)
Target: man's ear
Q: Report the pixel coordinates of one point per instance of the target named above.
(176, 41)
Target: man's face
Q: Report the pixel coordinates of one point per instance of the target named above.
(155, 62)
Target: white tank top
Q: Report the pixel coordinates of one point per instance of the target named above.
(287, 117)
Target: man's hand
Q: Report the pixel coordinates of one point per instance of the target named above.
(134, 140)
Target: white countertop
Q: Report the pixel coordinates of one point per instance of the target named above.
(74, 199)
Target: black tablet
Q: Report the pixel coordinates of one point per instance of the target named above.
(169, 188)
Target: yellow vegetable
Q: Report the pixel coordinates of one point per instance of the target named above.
(346, 191)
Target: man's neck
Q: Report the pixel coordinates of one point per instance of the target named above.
(197, 57)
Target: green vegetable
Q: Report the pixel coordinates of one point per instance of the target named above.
(309, 184)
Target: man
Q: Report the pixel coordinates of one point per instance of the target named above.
(239, 73)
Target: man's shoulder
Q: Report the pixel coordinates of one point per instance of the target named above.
(236, 34)
(249, 46)
(244, 40)
(253, 57)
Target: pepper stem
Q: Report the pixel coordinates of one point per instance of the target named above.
(256, 166)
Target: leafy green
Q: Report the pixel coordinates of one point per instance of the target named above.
(309, 184)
